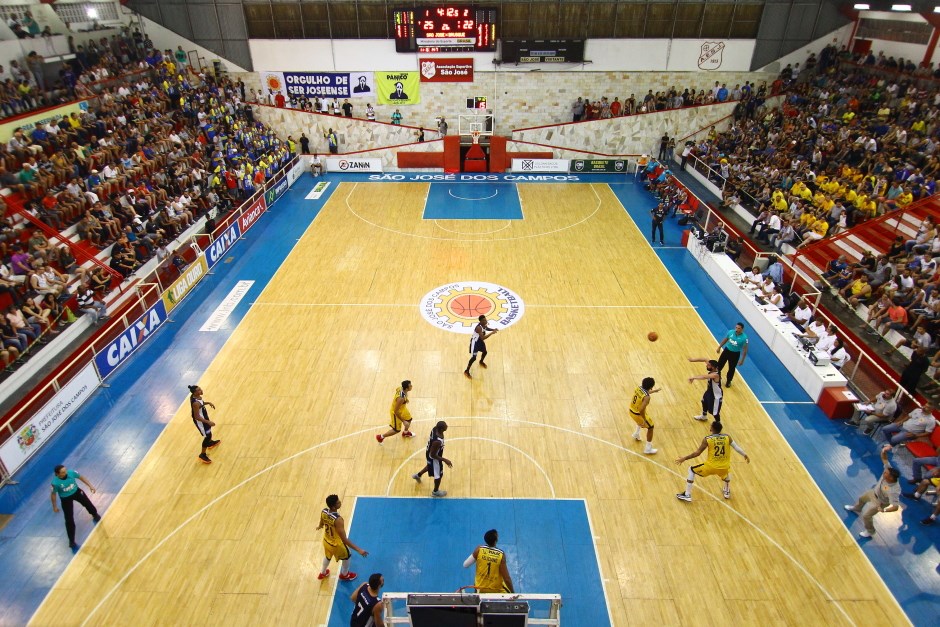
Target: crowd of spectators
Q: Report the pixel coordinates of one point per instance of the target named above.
(847, 145)
(153, 155)
(26, 86)
(584, 109)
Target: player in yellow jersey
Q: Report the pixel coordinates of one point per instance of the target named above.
(492, 574)
(335, 543)
(641, 400)
(400, 416)
(718, 462)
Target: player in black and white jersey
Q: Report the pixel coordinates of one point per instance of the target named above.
(711, 400)
(202, 422)
(369, 608)
(434, 455)
(478, 345)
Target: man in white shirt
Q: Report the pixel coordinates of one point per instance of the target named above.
(882, 410)
(814, 332)
(752, 279)
(884, 497)
(801, 314)
(826, 344)
(918, 425)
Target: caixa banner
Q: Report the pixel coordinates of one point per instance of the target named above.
(124, 345)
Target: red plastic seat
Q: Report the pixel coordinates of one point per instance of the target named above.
(925, 449)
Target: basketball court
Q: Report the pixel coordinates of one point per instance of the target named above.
(383, 286)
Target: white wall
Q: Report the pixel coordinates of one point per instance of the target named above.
(605, 55)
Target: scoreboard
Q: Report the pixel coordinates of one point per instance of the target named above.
(445, 29)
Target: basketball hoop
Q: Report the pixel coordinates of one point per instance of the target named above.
(475, 137)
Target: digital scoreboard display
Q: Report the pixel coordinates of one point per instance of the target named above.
(445, 29)
(542, 51)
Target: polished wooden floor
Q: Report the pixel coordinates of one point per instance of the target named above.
(305, 383)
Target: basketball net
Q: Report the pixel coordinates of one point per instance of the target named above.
(475, 137)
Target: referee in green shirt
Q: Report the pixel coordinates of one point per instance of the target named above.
(732, 349)
(65, 485)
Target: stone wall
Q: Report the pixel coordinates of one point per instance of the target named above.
(354, 134)
(523, 99)
(630, 135)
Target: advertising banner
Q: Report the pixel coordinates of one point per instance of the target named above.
(29, 123)
(185, 283)
(319, 84)
(222, 243)
(540, 165)
(251, 214)
(353, 165)
(398, 88)
(275, 192)
(446, 70)
(294, 173)
(599, 166)
(30, 437)
(127, 342)
(318, 190)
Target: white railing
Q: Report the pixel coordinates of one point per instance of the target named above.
(396, 606)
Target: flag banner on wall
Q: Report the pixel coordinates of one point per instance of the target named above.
(319, 84)
(273, 82)
(446, 70)
(398, 88)
(363, 84)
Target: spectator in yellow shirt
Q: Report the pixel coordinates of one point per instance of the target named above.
(905, 198)
(817, 232)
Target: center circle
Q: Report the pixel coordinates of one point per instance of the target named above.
(457, 307)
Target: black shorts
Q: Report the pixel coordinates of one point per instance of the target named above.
(477, 347)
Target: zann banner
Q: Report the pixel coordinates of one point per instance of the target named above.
(398, 88)
(319, 84)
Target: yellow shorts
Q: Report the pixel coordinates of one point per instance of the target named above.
(936, 481)
(397, 419)
(706, 470)
(641, 421)
(339, 553)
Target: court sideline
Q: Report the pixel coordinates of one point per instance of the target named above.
(54, 530)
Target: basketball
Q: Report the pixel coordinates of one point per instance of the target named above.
(471, 305)
(652, 336)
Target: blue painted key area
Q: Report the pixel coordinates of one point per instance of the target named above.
(473, 201)
(548, 546)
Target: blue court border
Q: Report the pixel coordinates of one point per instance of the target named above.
(108, 437)
(419, 545)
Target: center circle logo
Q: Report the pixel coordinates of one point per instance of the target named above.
(457, 307)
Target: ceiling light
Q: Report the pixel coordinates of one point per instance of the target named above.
(861, 7)
(900, 7)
